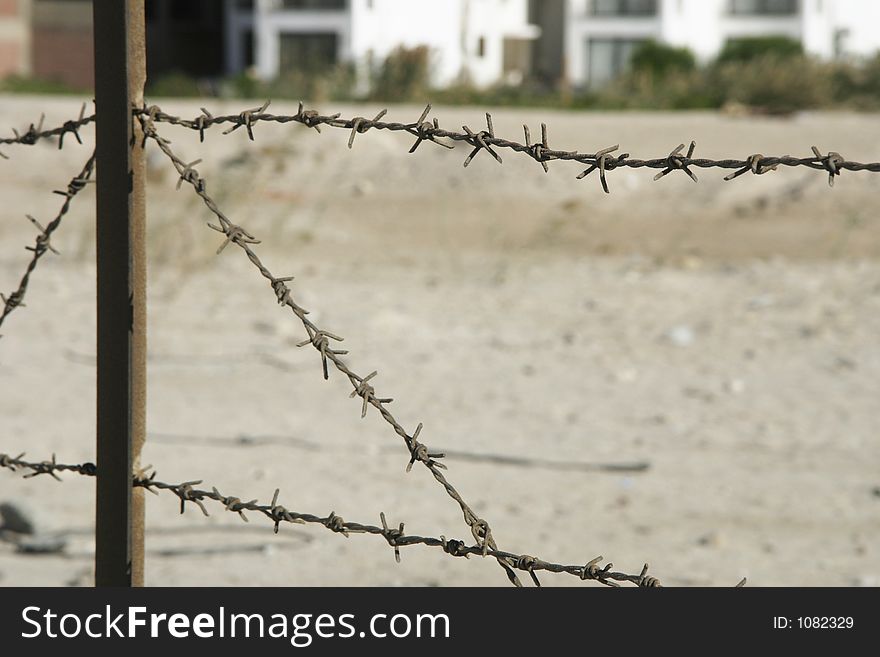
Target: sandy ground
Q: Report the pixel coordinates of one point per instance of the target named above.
(723, 333)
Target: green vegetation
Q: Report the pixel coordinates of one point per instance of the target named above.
(767, 75)
(175, 85)
(858, 86)
(659, 60)
(403, 76)
(774, 85)
(15, 84)
(755, 48)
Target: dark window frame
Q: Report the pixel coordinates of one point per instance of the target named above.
(313, 5)
(618, 45)
(626, 9)
(319, 51)
(764, 8)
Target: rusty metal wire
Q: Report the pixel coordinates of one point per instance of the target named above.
(325, 342)
(423, 130)
(35, 133)
(320, 339)
(41, 243)
(187, 492)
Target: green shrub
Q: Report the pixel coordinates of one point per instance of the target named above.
(243, 85)
(403, 75)
(336, 83)
(174, 84)
(751, 48)
(676, 90)
(774, 85)
(858, 83)
(659, 60)
(17, 84)
(529, 93)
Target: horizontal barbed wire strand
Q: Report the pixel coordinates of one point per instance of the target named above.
(35, 133)
(41, 243)
(395, 537)
(602, 161)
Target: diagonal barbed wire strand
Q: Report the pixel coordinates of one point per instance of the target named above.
(320, 339)
(41, 243)
(602, 161)
(395, 537)
(35, 133)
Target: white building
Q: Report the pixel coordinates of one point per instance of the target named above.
(600, 35)
(484, 41)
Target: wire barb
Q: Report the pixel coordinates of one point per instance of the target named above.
(832, 163)
(359, 125)
(393, 536)
(538, 150)
(368, 393)
(420, 452)
(245, 118)
(320, 340)
(755, 164)
(604, 162)
(481, 141)
(42, 243)
(189, 174)
(677, 161)
(424, 130)
(234, 234)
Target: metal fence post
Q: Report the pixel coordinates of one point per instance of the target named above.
(121, 274)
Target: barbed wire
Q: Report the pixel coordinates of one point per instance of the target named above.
(42, 244)
(395, 537)
(320, 338)
(423, 130)
(35, 133)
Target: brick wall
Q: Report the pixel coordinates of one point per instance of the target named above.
(10, 58)
(13, 37)
(8, 8)
(64, 55)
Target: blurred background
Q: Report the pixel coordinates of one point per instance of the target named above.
(714, 343)
(770, 55)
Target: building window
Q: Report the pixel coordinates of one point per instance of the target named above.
(247, 39)
(516, 59)
(534, 12)
(314, 4)
(187, 12)
(481, 47)
(608, 58)
(841, 36)
(623, 7)
(307, 52)
(764, 7)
